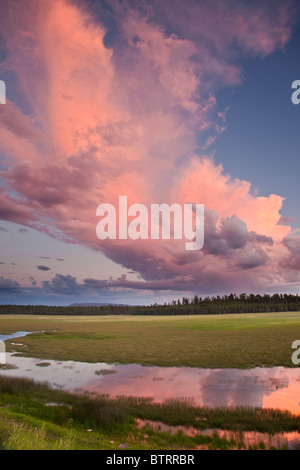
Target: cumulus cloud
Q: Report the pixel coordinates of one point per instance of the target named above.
(8, 286)
(292, 260)
(62, 284)
(134, 115)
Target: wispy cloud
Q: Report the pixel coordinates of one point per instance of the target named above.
(43, 268)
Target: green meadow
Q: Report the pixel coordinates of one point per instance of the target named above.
(83, 421)
(212, 341)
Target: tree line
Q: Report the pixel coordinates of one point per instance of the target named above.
(196, 305)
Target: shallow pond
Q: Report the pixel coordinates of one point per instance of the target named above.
(275, 387)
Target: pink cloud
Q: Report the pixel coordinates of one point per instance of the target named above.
(13, 210)
(207, 182)
(97, 122)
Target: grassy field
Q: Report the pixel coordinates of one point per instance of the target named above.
(35, 417)
(215, 341)
(86, 422)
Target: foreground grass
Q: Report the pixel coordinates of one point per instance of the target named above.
(30, 421)
(216, 341)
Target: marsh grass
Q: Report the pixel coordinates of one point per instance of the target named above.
(8, 366)
(27, 422)
(242, 341)
(216, 341)
(176, 413)
(105, 372)
(23, 437)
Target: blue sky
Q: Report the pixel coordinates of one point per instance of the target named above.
(262, 139)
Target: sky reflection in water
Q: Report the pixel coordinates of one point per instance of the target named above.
(276, 387)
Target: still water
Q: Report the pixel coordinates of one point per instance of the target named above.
(275, 387)
(17, 334)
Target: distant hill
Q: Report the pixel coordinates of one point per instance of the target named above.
(97, 305)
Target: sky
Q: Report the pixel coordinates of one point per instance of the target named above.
(173, 102)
